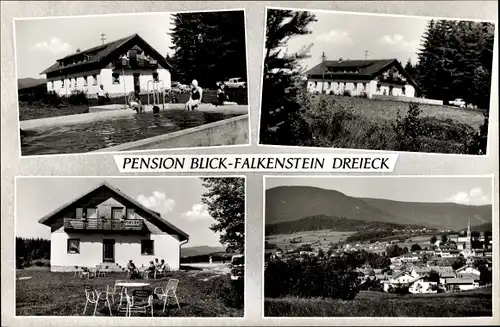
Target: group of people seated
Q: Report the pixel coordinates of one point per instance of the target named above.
(155, 267)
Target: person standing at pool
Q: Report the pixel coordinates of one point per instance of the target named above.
(196, 96)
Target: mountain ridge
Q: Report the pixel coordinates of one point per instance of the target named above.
(290, 203)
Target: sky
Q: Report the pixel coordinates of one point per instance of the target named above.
(177, 199)
(348, 36)
(462, 190)
(40, 42)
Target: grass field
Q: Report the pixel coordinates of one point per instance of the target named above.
(476, 303)
(62, 294)
(387, 110)
(360, 123)
(324, 237)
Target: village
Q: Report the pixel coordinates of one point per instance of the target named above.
(458, 261)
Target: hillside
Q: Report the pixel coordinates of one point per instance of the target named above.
(291, 203)
(23, 83)
(336, 224)
(201, 250)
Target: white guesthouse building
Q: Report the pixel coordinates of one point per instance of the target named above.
(106, 227)
(121, 66)
(361, 77)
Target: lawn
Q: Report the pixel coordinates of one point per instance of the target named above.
(360, 123)
(377, 110)
(477, 303)
(62, 294)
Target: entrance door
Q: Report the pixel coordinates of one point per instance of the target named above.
(137, 83)
(108, 250)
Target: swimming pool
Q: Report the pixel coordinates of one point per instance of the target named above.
(101, 134)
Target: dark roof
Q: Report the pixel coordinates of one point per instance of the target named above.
(156, 218)
(368, 69)
(101, 55)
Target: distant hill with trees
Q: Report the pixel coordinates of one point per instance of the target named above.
(292, 203)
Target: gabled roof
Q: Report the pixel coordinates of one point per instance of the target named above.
(154, 217)
(101, 55)
(368, 69)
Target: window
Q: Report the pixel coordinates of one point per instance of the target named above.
(116, 78)
(403, 90)
(378, 87)
(364, 86)
(355, 86)
(94, 77)
(147, 247)
(85, 81)
(73, 246)
(62, 83)
(50, 85)
(155, 77)
(327, 85)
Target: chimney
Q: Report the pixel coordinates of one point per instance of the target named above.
(78, 50)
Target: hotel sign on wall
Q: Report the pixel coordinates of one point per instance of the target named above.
(135, 222)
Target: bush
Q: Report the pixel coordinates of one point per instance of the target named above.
(310, 278)
(408, 129)
(53, 99)
(476, 142)
(78, 97)
(230, 292)
(346, 93)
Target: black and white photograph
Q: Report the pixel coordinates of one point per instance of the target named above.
(376, 82)
(130, 247)
(123, 82)
(403, 246)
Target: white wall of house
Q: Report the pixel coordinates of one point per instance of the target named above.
(384, 89)
(357, 87)
(90, 82)
(127, 247)
(422, 287)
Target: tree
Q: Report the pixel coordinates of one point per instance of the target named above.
(455, 60)
(209, 46)
(393, 251)
(280, 111)
(433, 276)
(321, 253)
(225, 201)
(415, 247)
(458, 263)
(444, 239)
(433, 239)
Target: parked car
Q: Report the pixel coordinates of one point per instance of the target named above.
(237, 267)
(235, 82)
(458, 103)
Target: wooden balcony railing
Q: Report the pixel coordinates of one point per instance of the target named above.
(109, 225)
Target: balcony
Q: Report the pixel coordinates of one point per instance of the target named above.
(104, 225)
(137, 64)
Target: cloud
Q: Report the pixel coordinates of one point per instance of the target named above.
(335, 36)
(198, 212)
(157, 201)
(475, 196)
(55, 46)
(398, 40)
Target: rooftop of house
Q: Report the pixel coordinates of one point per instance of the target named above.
(101, 54)
(358, 69)
(155, 217)
(459, 281)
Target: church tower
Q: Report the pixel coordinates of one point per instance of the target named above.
(468, 242)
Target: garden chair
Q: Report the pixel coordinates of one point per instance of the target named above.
(169, 291)
(93, 296)
(84, 273)
(140, 301)
(118, 290)
(102, 272)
